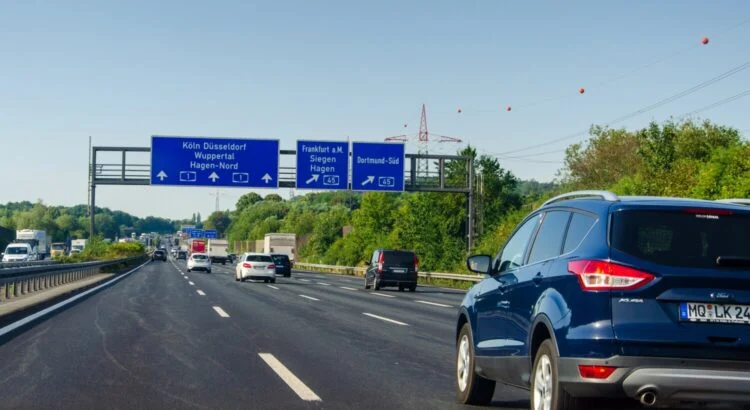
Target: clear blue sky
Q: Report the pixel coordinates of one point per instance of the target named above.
(123, 71)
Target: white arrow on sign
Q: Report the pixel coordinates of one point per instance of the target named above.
(313, 179)
(161, 175)
(370, 179)
(213, 177)
(267, 178)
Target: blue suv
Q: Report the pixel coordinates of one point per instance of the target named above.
(600, 296)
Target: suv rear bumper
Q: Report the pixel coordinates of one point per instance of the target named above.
(670, 379)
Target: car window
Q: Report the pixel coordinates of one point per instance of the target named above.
(258, 258)
(681, 238)
(199, 257)
(514, 250)
(280, 258)
(549, 241)
(399, 258)
(579, 227)
(375, 257)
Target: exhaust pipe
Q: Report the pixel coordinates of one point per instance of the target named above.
(648, 398)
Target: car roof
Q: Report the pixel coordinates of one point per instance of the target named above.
(600, 205)
(256, 254)
(199, 253)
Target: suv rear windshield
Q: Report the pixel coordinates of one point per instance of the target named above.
(258, 258)
(199, 257)
(280, 258)
(683, 237)
(399, 258)
(159, 253)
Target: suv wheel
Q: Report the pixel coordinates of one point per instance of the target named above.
(376, 283)
(546, 392)
(367, 285)
(471, 388)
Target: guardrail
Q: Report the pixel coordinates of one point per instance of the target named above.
(359, 271)
(6, 265)
(15, 282)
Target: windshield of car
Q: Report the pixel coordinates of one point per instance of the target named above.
(399, 258)
(16, 250)
(258, 258)
(199, 257)
(284, 259)
(688, 237)
(58, 247)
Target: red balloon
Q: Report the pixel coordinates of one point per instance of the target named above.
(705, 40)
(405, 125)
(508, 109)
(459, 111)
(581, 90)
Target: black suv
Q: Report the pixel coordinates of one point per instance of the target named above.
(389, 267)
(283, 264)
(159, 256)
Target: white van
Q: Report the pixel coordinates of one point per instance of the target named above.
(19, 252)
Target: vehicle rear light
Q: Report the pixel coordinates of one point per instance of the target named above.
(606, 275)
(708, 211)
(247, 265)
(380, 262)
(416, 263)
(271, 266)
(596, 372)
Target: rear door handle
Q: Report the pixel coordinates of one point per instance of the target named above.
(505, 304)
(538, 278)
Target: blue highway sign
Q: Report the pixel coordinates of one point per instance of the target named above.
(377, 166)
(322, 165)
(211, 234)
(196, 233)
(200, 161)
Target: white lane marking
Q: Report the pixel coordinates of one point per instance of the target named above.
(385, 319)
(303, 280)
(294, 383)
(272, 287)
(15, 325)
(309, 297)
(200, 292)
(347, 288)
(433, 303)
(186, 278)
(220, 311)
(324, 284)
(191, 283)
(382, 294)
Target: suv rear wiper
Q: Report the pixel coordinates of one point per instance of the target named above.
(733, 261)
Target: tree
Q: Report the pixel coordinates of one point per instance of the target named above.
(246, 200)
(273, 197)
(219, 221)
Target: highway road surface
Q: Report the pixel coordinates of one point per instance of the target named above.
(164, 338)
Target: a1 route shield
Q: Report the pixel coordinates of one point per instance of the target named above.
(201, 161)
(322, 165)
(377, 166)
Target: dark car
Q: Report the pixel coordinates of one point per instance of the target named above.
(389, 267)
(283, 264)
(231, 258)
(618, 297)
(181, 255)
(159, 256)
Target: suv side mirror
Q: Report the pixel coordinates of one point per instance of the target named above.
(367, 263)
(479, 264)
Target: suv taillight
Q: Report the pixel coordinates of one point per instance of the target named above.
(606, 275)
(380, 262)
(416, 263)
(247, 265)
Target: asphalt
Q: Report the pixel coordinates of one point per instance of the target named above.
(157, 339)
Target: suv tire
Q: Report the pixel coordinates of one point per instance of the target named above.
(545, 382)
(476, 389)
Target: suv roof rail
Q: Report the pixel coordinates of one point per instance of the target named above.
(740, 201)
(605, 195)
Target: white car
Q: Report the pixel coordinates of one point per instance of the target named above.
(199, 261)
(255, 266)
(19, 252)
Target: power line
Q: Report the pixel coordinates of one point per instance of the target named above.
(718, 103)
(643, 110)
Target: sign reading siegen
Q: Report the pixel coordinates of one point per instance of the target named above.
(322, 164)
(198, 161)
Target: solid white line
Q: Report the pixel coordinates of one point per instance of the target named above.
(303, 280)
(309, 297)
(220, 311)
(200, 292)
(15, 325)
(382, 294)
(344, 287)
(385, 319)
(272, 287)
(289, 378)
(324, 284)
(191, 283)
(433, 303)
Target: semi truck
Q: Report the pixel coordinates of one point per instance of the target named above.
(280, 243)
(58, 249)
(197, 246)
(36, 239)
(217, 250)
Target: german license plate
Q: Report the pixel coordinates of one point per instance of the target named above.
(710, 312)
(398, 270)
